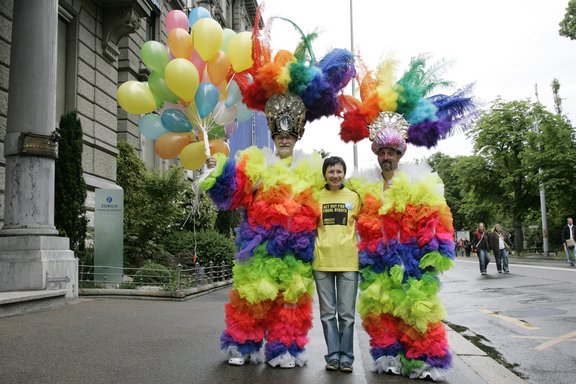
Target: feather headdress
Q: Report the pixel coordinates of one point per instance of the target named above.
(311, 88)
(394, 113)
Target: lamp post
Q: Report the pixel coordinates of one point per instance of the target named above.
(355, 146)
(545, 246)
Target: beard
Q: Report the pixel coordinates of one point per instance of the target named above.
(386, 166)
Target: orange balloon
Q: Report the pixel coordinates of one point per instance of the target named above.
(218, 67)
(180, 43)
(169, 145)
(219, 146)
(193, 155)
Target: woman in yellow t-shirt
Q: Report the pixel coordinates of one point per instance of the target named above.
(336, 265)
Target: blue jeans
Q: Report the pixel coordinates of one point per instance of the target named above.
(337, 298)
(484, 258)
(570, 255)
(502, 260)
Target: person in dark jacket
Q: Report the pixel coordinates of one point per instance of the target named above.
(481, 243)
(501, 245)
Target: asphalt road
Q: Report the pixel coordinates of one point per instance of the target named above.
(527, 316)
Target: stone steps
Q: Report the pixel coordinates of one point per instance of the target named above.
(19, 302)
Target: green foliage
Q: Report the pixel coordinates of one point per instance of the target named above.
(500, 183)
(215, 247)
(199, 211)
(227, 222)
(568, 23)
(445, 167)
(70, 189)
(153, 204)
(152, 274)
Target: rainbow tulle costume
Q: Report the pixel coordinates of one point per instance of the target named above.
(273, 282)
(406, 240)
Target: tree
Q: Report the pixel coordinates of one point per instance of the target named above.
(568, 24)
(153, 206)
(501, 138)
(553, 165)
(557, 98)
(444, 165)
(70, 188)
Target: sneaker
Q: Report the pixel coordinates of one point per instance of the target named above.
(506, 271)
(483, 273)
(499, 271)
(332, 365)
(236, 361)
(288, 365)
(346, 367)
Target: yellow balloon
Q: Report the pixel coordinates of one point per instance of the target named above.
(135, 97)
(193, 155)
(207, 37)
(240, 51)
(182, 78)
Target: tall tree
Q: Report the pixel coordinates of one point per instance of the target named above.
(568, 24)
(70, 189)
(501, 138)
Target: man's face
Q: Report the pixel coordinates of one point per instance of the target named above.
(388, 159)
(481, 227)
(570, 220)
(284, 145)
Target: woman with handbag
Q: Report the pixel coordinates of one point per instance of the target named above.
(568, 240)
(482, 246)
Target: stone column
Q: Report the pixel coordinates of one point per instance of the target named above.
(29, 248)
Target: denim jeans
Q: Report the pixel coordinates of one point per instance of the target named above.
(337, 298)
(570, 255)
(484, 258)
(502, 260)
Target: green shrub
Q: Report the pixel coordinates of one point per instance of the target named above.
(209, 245)
(152, 274)
(215, 247)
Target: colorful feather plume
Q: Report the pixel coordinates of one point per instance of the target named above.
(316, 83)
(430, 118)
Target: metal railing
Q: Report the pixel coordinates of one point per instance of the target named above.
(90, 276)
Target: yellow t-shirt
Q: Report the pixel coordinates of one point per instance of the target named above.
(336, 249)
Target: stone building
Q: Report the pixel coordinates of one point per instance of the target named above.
(98, 48)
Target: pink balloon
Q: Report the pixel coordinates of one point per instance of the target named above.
(198, 63)
(177, 19)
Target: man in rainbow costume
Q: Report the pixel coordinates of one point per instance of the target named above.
(277, 193)
(405, 226)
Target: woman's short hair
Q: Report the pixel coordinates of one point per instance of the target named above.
(331, 161)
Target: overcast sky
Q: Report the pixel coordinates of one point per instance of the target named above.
(505, 47)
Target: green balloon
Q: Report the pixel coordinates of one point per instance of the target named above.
(159, 88)
(216, 132)
(154, 56)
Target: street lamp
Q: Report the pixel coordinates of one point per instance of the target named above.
(355, 146)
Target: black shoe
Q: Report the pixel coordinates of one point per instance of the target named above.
(332, 365)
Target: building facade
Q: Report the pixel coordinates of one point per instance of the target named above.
(98, 48)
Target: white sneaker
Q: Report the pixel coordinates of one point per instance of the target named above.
(236, 361)
(288, 364)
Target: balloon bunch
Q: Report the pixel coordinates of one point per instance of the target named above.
(191, 87)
